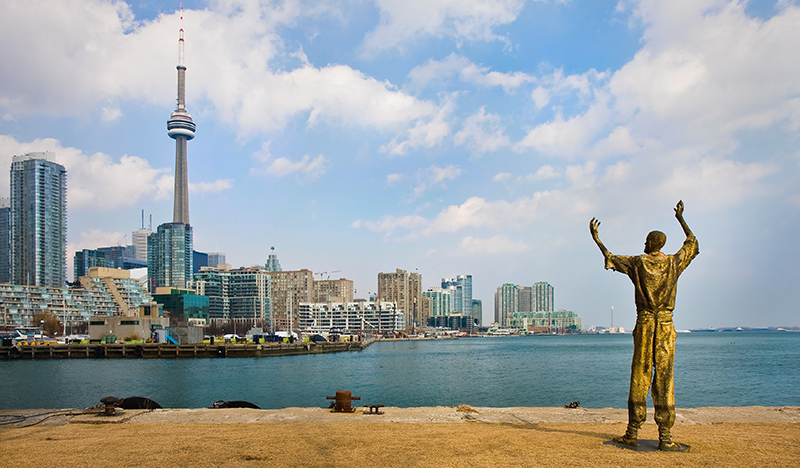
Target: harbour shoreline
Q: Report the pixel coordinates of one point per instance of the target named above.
(164, 350)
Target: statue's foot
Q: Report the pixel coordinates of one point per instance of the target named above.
(670, 446)
(626, 440)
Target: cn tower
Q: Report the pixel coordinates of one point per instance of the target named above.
(181, 127)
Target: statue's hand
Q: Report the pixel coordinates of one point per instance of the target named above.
(594, 224)
(679, 209)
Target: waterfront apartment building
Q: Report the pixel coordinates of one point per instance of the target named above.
(104, 292)
(462, 293)
(456, 294)
(406, 290)
(340, 290)
(440, 301)
(393, 287)
(462, 322)
(415, 311)
(559, 321)
(241, 294)
(5, 240)
(525, 298)
(127, 293)
(38, 220)
(477, 310)
(506, 303)
(543, 297)
(288, 289)
(350, 317)
(169, 256)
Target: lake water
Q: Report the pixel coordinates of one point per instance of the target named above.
(711, 369)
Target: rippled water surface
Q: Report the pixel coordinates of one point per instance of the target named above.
(711, 369)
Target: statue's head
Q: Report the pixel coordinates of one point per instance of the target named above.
(655, 241)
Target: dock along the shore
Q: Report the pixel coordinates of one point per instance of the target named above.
(164, 350)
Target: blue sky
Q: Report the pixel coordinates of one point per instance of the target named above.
(441, 136)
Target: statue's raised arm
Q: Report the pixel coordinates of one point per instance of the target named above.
(594, 225)
(679, 216)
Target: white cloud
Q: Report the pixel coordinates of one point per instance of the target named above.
(305, 168)
(496, 245)
(93, 239)
(568, 137)
(425, 134)
(545, 172)
(392, 178)
(96, 238)
(433, 176)
(111, 114)
(235, 63)
(540, 96)
(210, 187)
(477, 212)
(706, 71)
(718, 183)
(97, 181)
(471, 20)
(388, 224)
(482, 133)
(468, 72)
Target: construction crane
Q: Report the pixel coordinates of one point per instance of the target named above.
(329, 273)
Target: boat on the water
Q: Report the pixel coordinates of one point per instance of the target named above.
(30, 336)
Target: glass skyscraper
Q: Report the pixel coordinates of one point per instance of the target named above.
(38, 220)
(169, 256)
(5, 241)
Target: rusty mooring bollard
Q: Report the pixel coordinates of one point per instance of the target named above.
(109, 401)
(343, 403)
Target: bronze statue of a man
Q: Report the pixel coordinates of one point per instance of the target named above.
(655, 280)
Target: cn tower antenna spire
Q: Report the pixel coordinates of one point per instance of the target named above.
(180, 40)
(181, 127)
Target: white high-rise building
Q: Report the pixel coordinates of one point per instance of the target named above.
(543, 295)
(506, 303)
(139, 241)
(440, 300)
(461, 287)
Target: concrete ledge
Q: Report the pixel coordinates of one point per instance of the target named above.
(438, 414)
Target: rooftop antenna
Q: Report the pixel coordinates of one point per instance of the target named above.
(151, 221)
(142, 218)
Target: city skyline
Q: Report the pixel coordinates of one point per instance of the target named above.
(440, 139)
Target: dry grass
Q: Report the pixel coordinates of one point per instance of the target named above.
(396, 444)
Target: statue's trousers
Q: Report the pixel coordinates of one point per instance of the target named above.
(653, 349)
